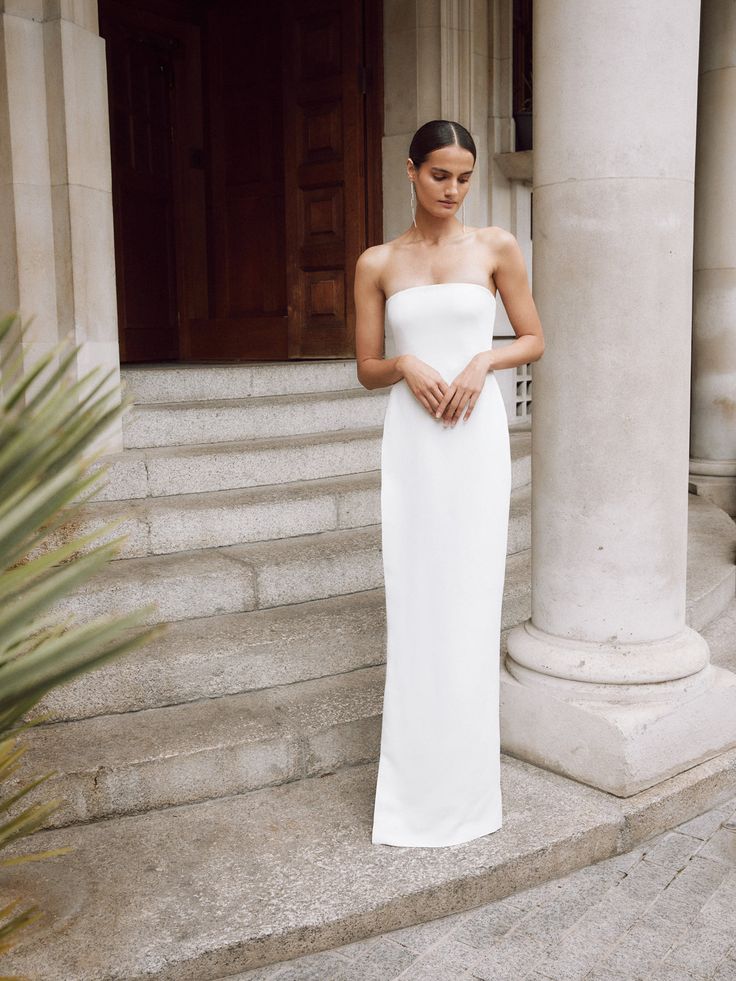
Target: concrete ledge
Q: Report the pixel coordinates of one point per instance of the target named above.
(207, 890)
(515, 165)
(164, 525)
(164, 424)
(203, 382)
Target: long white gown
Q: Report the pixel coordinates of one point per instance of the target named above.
(445, 494)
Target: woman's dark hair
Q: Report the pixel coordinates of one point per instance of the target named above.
(436, 134)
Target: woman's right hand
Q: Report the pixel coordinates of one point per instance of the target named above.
(426, 383)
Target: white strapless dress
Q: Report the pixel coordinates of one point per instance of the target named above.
(445, 494)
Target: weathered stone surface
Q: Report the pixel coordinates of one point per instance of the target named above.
(163, 525)
(210, 657)
(160, 757)
(161, 424)
(194, 383)
(207, 890)
(172, 470)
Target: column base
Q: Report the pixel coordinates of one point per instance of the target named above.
(618, 738)
(718, 488)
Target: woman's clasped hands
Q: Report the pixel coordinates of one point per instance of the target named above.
(442, 400)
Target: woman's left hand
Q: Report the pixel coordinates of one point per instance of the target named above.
(462, 393)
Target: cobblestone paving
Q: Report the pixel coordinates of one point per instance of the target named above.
(663, 912)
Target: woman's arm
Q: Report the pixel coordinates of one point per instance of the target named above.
(374, 371)
(512, 283)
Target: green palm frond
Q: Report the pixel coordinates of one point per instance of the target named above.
(49, 424)
(13, 925)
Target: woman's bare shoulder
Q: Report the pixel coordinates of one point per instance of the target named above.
(373, 262)
(495, 236)
(373, 259)
(374, 256)
(500, 247)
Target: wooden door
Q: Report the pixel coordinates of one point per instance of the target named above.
(325, 86)
(295, 110)
(246, 169)
(247, 318)
(158, 179)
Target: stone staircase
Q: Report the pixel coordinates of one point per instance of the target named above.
(218, 781)
(272, 667)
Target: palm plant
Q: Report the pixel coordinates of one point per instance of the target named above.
(48, 469)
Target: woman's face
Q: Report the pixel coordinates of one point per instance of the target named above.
(443, 180)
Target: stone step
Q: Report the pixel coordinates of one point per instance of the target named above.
(232, 653)
(164, 525)
(258, 575)
(215, 655)
(273, 733)
(212, 656)
(203, 382)
(215, 747)
(711, 553)
(303, 708)
(170, 471)
(207, 890)
(260, 417)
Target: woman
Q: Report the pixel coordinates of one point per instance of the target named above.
(445, 492)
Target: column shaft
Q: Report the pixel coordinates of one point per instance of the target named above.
(595, 681)
(713, 425)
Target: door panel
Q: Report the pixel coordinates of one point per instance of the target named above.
(156, 138)
(140, 72)
(325, 201)
(248, 316)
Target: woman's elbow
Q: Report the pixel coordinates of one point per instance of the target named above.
(363, 379)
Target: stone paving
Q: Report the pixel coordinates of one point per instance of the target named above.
(665, 911)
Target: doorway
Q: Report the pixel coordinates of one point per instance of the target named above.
(246, 143)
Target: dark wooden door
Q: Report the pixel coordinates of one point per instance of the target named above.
(158, 179)
(247, 318)
(325, 85)
(246, 169)
(140, 73)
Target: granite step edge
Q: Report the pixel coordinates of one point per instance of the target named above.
(340, 888)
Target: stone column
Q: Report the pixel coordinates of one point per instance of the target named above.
(606, 683)
(57, 264)
(713, 422)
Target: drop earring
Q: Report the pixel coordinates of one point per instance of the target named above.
(413, 203)
(463, 216)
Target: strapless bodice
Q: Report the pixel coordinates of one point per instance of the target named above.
(444, 324)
